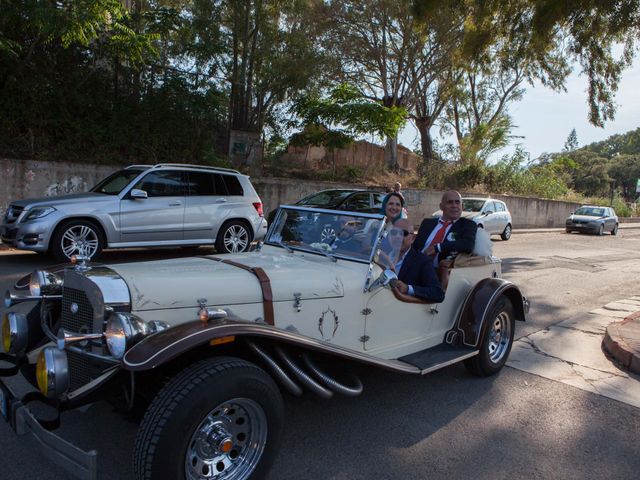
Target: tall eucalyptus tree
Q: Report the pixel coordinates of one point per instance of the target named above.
(379, 45)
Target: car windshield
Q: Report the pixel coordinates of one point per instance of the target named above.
(590, 211)
(327, 199)
(472, 205)
(335, 234)
(114, 183)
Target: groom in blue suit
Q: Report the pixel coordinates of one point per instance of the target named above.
(439, 238)
(416, 275)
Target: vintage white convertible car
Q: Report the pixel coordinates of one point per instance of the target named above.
(207, 343)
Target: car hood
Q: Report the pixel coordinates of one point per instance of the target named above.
(588, 218)
(179, 283)
(73, 198)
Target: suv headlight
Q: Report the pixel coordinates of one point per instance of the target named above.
(38, 212)
(124, 330)
(45, 283)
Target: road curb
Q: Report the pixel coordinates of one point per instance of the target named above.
(622, 342)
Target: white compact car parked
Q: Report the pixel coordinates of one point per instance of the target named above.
(142, 206)
(206, 344)
(492, 215)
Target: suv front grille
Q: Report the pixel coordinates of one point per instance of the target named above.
(12, 214)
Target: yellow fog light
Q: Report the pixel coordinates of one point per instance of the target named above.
(52, 372)
(6, 333)
(14, 332)
(41, 374)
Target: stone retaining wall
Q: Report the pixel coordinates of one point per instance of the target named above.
(25, 179)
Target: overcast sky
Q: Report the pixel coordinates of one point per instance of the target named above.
(545, 118)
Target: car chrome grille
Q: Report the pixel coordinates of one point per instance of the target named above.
(82, 369)
(82, 320)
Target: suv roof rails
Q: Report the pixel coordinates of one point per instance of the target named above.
(186, 165)
(200, 167)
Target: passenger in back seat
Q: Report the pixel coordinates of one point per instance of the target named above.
(449, 235)
(416, 274)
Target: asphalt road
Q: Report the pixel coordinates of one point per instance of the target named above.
(446, 425)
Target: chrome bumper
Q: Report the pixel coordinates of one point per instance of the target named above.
(77, 462)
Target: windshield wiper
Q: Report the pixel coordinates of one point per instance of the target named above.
(286, 247)
(324, 252)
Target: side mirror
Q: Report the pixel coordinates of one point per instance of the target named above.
(488, 212)
(137, 193)
(384, 279)
(387, 276)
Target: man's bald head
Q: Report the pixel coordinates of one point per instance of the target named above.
(451, 205)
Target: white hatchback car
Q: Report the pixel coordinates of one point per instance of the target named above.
(211, 341)
(490, 214)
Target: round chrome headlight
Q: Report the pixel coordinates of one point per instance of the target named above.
(52, 372)
(43, 282)
(14, 332)
(123, 330)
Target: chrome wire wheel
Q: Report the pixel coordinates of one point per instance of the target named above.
(236, 238)
(229, 443)
(79, 239)
(499, 337)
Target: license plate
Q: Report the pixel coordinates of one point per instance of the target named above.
(3, 404)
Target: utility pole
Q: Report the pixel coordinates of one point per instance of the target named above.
(613, 186)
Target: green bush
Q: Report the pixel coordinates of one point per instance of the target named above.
(352, 174)
(466, 176)
(621, 208)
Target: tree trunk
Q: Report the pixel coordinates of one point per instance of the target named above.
(391, 153)
(424, 124)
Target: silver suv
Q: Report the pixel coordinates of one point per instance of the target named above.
(142, 206)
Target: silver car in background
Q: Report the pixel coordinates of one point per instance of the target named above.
(142, 206)
(593, 219)
(490, 214)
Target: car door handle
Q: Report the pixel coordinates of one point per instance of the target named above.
(221, 200)
(175, 204)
